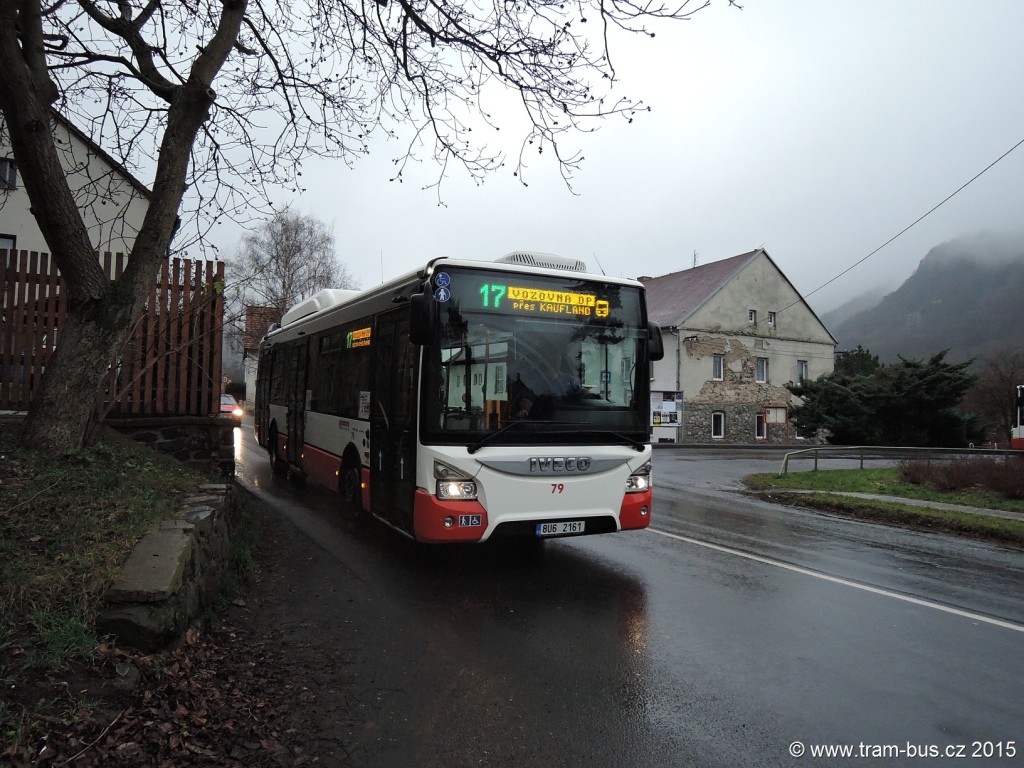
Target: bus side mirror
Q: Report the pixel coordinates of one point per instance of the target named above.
(655, 346)
(422, 317)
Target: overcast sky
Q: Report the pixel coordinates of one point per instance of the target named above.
(817, 130)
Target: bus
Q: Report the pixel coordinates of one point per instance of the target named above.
(418, 401)
(1017, 436)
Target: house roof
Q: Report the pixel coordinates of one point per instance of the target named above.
(100, 152)
(673, 297)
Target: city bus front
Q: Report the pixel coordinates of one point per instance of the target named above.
(533, 418)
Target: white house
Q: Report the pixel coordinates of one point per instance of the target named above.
(735, 332)
(112, 201)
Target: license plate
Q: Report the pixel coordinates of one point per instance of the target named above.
(560, 529)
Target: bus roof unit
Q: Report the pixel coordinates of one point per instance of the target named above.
(545, 260)
(321, 300)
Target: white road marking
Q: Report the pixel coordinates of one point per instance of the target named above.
(843, 582)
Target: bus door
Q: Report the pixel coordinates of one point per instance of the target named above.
(297, 403)
(393, 420)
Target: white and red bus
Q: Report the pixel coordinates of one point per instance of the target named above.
(405, 398)
(1017, 435)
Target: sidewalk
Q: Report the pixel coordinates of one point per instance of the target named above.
(1005, 514)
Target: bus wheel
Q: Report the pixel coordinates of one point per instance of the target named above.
(278, 465)
(351, 489)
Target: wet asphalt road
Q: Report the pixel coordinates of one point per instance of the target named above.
(720, 637)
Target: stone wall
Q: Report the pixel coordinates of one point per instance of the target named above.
(202, 441)
(740, 424)
(174, 571)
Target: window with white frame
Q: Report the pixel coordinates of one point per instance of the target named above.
(762, 370)
(771, 318)
(9, 243)
(718, 425)
(8, 174)
(801, 371)
(760, 430)
(718, 367)
(752, 316)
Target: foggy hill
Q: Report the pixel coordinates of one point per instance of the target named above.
(863, 303)
(967, 296)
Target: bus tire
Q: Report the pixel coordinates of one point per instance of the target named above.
(351, 489)
(277, 465)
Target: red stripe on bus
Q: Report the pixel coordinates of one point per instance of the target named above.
(322, 466)
(429, 514)
(364, 476)
(630, 516)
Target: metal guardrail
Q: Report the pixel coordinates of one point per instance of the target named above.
(881, 452)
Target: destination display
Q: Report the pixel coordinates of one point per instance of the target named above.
(490, 293)
(358, 338)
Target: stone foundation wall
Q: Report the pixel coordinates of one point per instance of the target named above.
(174, 571)
(207, 442)
(740, 425)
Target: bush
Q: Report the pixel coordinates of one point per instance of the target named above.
(1005, 476)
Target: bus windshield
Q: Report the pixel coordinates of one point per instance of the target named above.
(553, 354)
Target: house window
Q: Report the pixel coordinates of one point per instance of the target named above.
(771, 319)
(8, 243)
(801, 371)
(762, 370)
(499, 379)
(718, 367)
(760, 430)
(8, 174)
(718, 425)
(752, 316)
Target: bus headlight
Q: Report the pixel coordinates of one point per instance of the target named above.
(453, 485)
(639, 481)
(456, 490)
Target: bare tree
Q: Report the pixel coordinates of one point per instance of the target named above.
(293, 80)
(287, 258)
(994, 394)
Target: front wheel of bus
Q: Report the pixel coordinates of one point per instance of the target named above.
(351, 491)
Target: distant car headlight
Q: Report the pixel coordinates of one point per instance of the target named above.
(639, 481)
(237, 412)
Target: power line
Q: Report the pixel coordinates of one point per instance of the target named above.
(914, 223)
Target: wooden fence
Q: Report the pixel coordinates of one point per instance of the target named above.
(170, 365)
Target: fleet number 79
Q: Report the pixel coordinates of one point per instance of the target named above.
(557, 487)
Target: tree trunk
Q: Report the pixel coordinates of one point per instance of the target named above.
(65, 404)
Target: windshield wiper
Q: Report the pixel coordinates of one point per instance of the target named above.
(491, 435)
(636, 445)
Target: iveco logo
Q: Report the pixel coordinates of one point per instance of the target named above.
(560, 464)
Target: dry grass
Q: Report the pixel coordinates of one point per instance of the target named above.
(66, 525)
